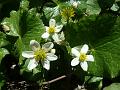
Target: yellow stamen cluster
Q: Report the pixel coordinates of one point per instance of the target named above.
(67, 13)
(40, 54)
(51, 30)
(82, 57)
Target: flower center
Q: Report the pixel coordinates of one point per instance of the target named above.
(39, 54)
(67, 13)
(51, 30)
(82, 57)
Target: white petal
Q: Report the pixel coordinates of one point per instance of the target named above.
(47, 28)
(84, 49)
(46, 64)
(58, 38)
(13, 66)
(71, 1)
(75, 4)
(45, 35)
(28, 54)
(55, 37)
(62, 36)
(84, 66)
(75, 52)
(52, 23)
(34, 45)
(53, 51)
(32, 64)
(51, 57)
(6, 27)
(48, 46)
(58, 28)
(75, 62)
(90, 58)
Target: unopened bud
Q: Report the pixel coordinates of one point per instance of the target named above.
(5, 28)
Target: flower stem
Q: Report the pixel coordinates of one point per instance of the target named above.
(54, 80)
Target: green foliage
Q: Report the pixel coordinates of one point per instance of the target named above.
(26, 25)
(3, 40)
(102, 34)
(114, 86)
(93, 83)
(2, 81)
(3, 52)
(107, 54)
(105, 4)
(93, 7)
(95, 22)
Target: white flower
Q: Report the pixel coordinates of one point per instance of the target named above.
(5, 27)
(52, 29)
(75, 3)
(80, 88)
(81, 57)
(42, 54)
(13, 66)
(58, 38)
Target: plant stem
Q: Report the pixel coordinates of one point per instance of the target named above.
(54, 80)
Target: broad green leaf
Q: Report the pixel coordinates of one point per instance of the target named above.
(51, 12)
(26, 25)
(113, 86)
(82, 6)
(31, 28)
(107, 58)
(92, 7)
(80, 32)
(12, 23)
(101, 33)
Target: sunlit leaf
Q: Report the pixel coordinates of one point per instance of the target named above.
(102, 36)
(114, 86)
(93, 7)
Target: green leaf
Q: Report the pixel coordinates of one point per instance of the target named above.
(25, 25)
(12, 23)
(101, 33)
(3, 52)
(95, 79)
(82, 6)
(115, 7)
(93, 83)
(105, 4)
(113, 86)
(82, 32)
(107, 60)
(51, 12)
(31, 27)
(24, 4)
(93, 7)
(2, 80)
(3, 40)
